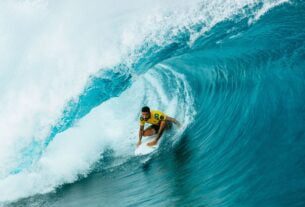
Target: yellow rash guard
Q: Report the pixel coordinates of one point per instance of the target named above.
(155, 118)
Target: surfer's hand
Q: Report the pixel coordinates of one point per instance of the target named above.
(139, 142)
(152, 143)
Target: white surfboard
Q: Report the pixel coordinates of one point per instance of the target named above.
(144, 149)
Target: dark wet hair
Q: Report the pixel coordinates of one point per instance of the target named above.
(145, 109)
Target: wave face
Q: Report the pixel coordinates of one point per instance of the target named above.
(75, 76)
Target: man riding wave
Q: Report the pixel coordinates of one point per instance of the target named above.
(159, 122)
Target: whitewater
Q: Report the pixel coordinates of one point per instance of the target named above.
(75, 74)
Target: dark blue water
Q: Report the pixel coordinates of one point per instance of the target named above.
(244, 142)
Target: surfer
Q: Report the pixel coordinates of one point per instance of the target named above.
(158, 120)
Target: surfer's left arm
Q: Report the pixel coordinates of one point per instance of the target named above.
(141, 131)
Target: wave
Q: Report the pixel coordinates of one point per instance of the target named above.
(72, 100)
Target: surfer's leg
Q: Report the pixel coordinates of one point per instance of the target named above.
(163, 124)
(149, 131)
(160, 132)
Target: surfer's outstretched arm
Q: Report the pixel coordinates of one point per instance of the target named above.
(168, 118)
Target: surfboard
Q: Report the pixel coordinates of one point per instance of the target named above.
(144, 149)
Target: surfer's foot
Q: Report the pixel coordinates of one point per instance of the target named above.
(152, 143)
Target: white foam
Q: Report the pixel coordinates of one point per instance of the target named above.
(113, 124)
(265, 8)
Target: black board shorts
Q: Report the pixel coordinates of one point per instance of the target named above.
(157, 127)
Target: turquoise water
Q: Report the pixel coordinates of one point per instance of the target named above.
(237, 84)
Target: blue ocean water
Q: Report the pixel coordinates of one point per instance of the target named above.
(238, 88)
